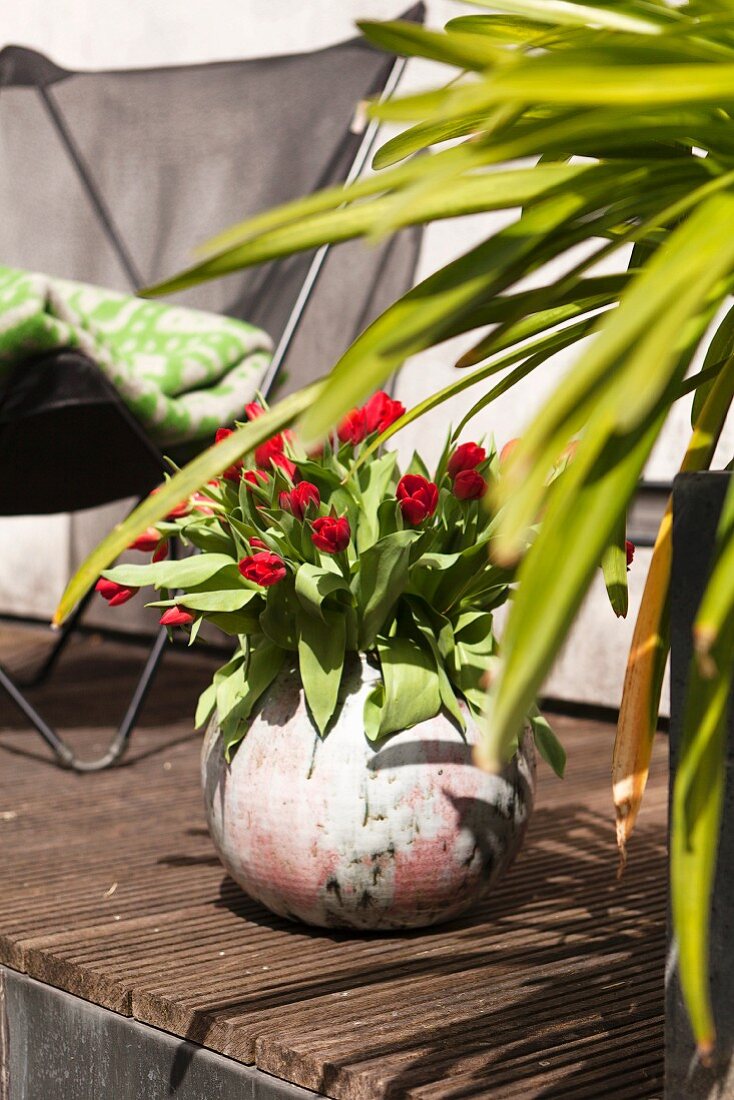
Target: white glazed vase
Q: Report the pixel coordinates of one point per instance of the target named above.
(342, 832)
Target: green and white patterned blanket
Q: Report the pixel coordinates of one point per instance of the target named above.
(183, 373)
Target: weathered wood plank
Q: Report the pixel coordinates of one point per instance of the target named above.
(110, 890)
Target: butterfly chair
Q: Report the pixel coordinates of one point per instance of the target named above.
(113, 178)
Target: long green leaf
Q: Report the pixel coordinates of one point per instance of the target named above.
(264, 663)
(382, 578)
(491, 190)
(695, 825)
(464, 51)
(614, 567)
(556, 81)
(455, 160)
(563, 12)
(718, 602)
(503, 29)
(175, 574)
(423, 316)
(533, 354)
(641, 339)
(719, 350)
(583, 508)
(582, 515)
(424, 135)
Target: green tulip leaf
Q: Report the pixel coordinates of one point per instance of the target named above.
(321, 646)
(409, 692)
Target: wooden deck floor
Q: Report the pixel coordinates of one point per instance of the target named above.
(109, 889)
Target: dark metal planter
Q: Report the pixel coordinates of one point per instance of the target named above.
(697, 503)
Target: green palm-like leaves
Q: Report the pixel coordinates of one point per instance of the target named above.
(617, 119)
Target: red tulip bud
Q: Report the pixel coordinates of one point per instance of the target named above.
(272, 451)
(466, 457)
(285, 464)
(147, 541)
(353, 427)
(418, 498)
(180, 510)
(381, 411)
(161, 551)
(256, 476)
(176, 616)
(114, 593)
(233, 472)
(469, 485)
(200, 502)
(331, 534)
(263, 568)
(299, 499)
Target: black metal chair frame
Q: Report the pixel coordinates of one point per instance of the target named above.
(120, 741)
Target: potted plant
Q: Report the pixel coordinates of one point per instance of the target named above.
(335, 763)
(610, 127)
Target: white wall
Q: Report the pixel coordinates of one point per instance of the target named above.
(36, 557)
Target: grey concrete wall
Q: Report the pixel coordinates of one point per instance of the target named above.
(57, 1047)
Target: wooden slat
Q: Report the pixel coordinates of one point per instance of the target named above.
(110, 889)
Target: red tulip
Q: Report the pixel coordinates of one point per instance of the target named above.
(255, 476)
(114, 593)
(331, 534)
(630, 549)
(176, 616)
(200, 502)
(299, 498)
(147, 541)
(353, 427)
(285, 464)
(272, 450)
(258, 544)
(381, 411)
(263, 568)
(466, 457)
(161, 551)
(469, 485)
(418, 498)
(253, 410)
(179, 511)
(265, 452)
(233, 472)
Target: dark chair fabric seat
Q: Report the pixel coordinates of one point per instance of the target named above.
(61, 422)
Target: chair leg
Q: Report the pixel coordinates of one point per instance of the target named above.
(49, 662)
(66, 757)
(52, 739)
(121, 740)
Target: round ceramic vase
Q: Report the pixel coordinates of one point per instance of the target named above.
(342, 832)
